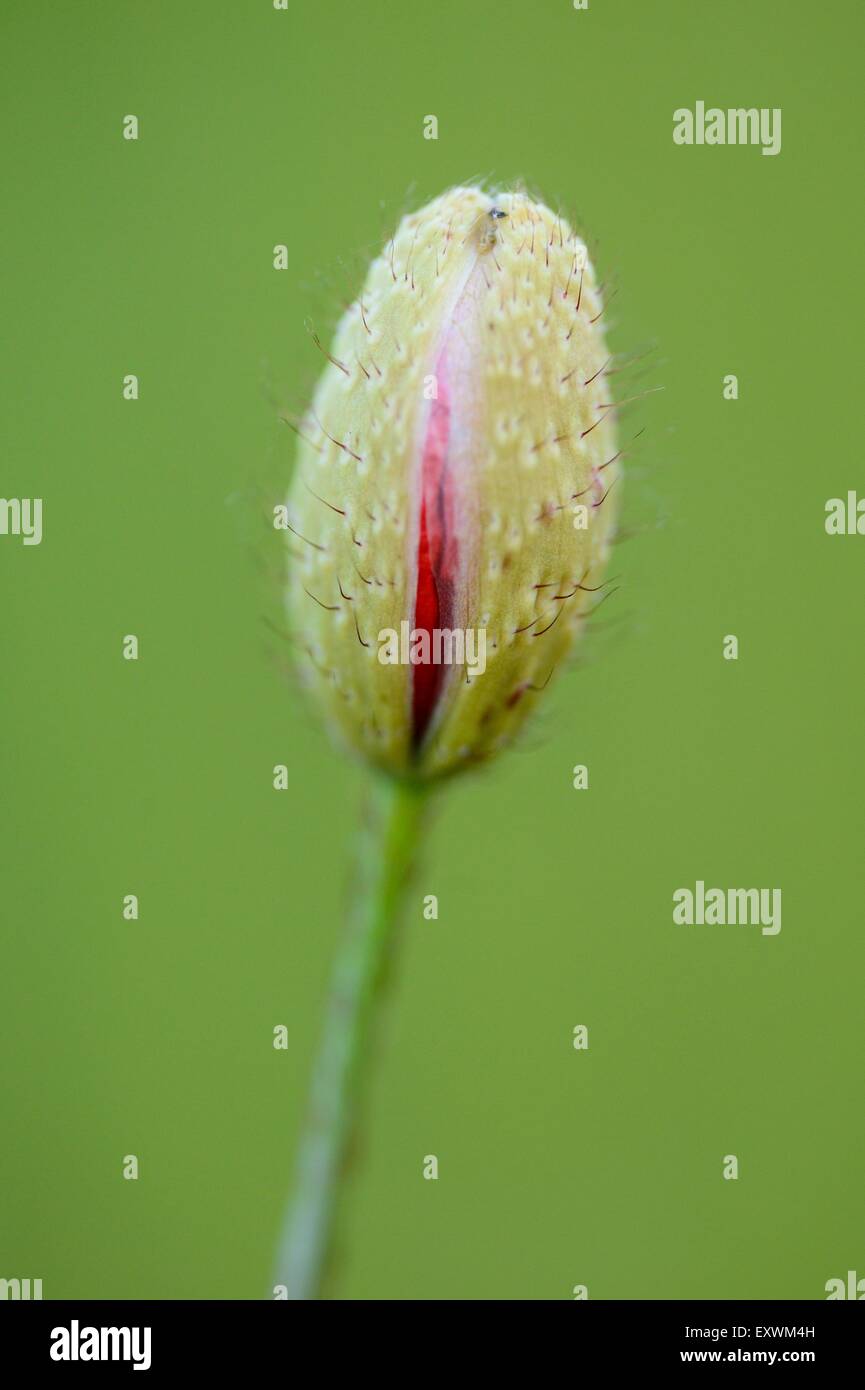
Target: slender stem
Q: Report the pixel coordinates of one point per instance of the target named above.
(389, 838)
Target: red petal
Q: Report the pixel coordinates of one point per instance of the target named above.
(437, 557)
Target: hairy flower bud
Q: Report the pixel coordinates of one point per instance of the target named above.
(449, 519)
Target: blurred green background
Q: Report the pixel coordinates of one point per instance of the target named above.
(555, 906)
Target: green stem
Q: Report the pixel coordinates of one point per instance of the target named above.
(389, 839)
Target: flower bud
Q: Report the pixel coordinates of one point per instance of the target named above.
(449, 517)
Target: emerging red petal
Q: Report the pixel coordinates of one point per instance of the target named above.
(437, 556)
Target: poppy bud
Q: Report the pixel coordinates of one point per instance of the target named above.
(448, 518)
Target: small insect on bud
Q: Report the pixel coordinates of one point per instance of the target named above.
(449, 516)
